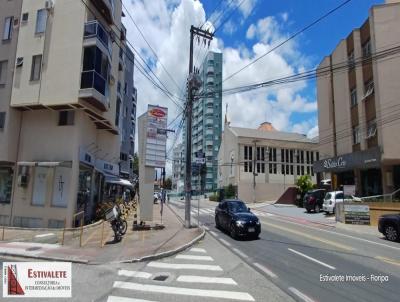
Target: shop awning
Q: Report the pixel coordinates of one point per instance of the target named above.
(45, 163)
(118, 181)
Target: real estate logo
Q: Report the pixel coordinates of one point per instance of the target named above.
(37, 279)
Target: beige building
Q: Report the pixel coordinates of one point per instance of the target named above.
(262, 163)
(358, 106)
(61, 137)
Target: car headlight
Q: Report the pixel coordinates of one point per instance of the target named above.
(240, 223)
(258, 222)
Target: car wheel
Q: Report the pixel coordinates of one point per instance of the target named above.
(233, 231)
(391, 233)
(317, 208)
(308, 211)
(334, 210)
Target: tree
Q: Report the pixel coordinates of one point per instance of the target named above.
(135, 161)
(229, 191)
(304, 184)
(168, 184)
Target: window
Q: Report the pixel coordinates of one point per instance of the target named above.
(2, 120)
(36, 67)
(123, 156)
(248, 156)
(356, 135)
(7, 30)
(353, 97)
(25, 17)
(3, 72)
(66, 118)
(41, 19)
(350, 59)
(6, 178)
(371, 129)
(366, 49)
(19, 62)
(368, 88)
(117, 112)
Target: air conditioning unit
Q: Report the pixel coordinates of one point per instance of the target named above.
(49, 4)
(23, 180)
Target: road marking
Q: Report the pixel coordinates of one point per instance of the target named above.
(312, 259)
(195, 257)
(213, 233)
(44, 235)
(300, 295)
(240, 253)
(388, 260)
(343, 235)
(335, 244)
(200, 279)
(222, 294)
(135, 274)
(123, 299)
(225, 242)
(185, 266)
(206, 227)
(198, 250)
(265, 270)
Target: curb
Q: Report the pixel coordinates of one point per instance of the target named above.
(44, 258)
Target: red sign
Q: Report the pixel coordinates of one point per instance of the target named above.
(157, 112)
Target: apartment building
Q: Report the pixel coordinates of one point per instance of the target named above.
(207, 121)
(263, 163)
(358, 118)
(62, 132)
(178, 169)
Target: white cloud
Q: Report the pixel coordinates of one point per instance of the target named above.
(229, 28)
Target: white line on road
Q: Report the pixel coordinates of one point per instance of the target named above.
(312, 259)
(265, 270)
(197, 249)
(123, 299)
(185, 266)
(44, 235)
(201, 279)
(240, 253)
(214, 234)
(195, 257)
(299, 294)
(225, 242)
(206, 227)
(135, 274)
(222, 294)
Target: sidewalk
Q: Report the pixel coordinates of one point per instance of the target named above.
(135, 246)
(360, 229)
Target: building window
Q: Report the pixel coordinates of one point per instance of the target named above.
(371, 129)
(41, 19)
(3, 72)
(248, 157)
(6, 178)
(350, 59)
(7, 31)
(66, 118)
(356, 135)
(353, 97)
(36, 67)
(123, 156)
(95, 70)
(368, 88)
(25, 17)
(2, 120)
(366, 49)
(117, 112)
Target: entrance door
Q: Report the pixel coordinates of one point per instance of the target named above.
(371, 182)
(396, 177)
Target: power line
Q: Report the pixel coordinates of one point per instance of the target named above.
(288, 39)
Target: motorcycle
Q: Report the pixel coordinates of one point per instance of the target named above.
(118, 224)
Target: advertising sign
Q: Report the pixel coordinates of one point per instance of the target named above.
(156, 136)
(37, 279)
(356, 214)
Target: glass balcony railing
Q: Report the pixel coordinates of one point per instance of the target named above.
(92, 79)
(95, 29)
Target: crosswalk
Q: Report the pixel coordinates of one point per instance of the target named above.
(190, 276)
(211, 212)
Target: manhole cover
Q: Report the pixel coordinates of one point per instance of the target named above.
(33, 248)
(161, 277)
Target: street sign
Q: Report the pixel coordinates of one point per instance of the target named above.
(156, 138)
(200, 161)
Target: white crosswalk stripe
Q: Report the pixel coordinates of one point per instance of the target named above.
(143, 282)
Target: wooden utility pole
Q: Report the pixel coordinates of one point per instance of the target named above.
(194, 31)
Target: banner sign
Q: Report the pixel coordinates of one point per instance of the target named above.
(37, 279)
(356, 214)
(156, 137)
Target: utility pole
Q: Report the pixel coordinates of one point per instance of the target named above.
(194, 31)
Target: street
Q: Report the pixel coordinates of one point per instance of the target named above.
(297, 256)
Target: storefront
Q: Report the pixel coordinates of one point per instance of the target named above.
(362, 169)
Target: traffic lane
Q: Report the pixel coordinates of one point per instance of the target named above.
(272, 251)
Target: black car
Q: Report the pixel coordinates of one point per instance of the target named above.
(313, 200)
(389, 225)
(234, 217)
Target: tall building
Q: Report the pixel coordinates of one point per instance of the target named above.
(61, 137)
(262, 163)
(207, 122)
(178, 169)
(358, 106)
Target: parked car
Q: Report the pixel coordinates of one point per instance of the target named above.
(389, 225)
(330, 201)
(233, 216)
(313, 200)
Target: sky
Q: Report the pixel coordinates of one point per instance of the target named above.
(245, 30)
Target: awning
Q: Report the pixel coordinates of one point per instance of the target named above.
(118, 181)
(45, 163)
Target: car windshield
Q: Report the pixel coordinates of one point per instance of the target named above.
(328, 196)
(237, 206)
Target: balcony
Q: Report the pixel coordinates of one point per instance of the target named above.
(210, 70)
(209, 111)
(106, 8)
(95, 32)
(94, 89)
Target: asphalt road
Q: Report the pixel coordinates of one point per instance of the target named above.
(299, 256)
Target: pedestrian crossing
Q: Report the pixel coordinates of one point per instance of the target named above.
(190, 276)
(203, 211)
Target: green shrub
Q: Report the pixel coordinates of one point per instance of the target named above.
(213, 197)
